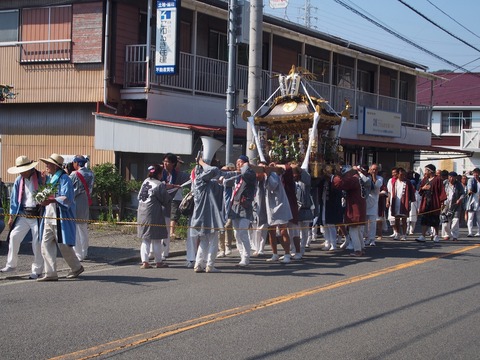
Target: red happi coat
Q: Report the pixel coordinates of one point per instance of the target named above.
(438, 196)
(408, 197)
(356, 205)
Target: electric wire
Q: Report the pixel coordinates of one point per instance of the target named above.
(451, 18)
(438, 26)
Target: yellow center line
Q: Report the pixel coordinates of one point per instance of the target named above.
(157, 334)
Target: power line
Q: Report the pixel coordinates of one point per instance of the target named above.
(401, 37)
(444, 13)
(438, 26)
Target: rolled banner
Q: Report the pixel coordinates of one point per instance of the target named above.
(316, 118)
(255, 137)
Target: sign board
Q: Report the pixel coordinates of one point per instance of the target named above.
(379, 123)
(278, 4)
(166, 52)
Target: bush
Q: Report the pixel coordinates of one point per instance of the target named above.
(109, 190)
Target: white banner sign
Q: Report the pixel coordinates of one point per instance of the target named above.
(278, 4)
(166, 46)
(379, 123)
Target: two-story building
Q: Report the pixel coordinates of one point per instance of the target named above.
(85, 82)
(455, 102)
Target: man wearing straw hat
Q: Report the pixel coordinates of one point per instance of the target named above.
(25, 213)
(58, 225)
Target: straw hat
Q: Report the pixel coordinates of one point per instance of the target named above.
(54, 159)
(22, 163)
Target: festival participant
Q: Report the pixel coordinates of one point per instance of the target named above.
(25, 214)
(356, 206)
(452, 207)
(58, 225)
(331, 209)
(374, 181)
(402, 194)
(259, 231)
(391, 218)
(433, 195)
(304, 204)
(241, 210)
(414, 178)
(473, 202)
(288, 183)
(278, 213)
(173, 179)
(226, 237)
(153, 198)
(207, 217)
(82, 179)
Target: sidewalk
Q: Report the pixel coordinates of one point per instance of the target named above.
(109, 244)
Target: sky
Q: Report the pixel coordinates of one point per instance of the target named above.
(459, 17)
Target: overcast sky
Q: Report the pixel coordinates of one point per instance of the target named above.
(459, 17)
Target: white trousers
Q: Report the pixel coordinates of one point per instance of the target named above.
(207, 250)
(330, 234)
(258, 237)
(304, 228)
(371, 227)
(451, 228)
(191, 245)
(356, 237)
(148, 246)
(166, 241)
(49, 251)
(240, 229)
(471, 215)
(22, 227)
(81, 240)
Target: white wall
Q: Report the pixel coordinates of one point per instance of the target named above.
(187, 109)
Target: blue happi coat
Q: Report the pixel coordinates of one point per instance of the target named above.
(66, 211)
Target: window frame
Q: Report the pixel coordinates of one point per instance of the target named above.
(13, 39)
(446, 119)
(38, 47)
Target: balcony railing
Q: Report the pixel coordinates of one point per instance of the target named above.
(45, 51)
(206, 76)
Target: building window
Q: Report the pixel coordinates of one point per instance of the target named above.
(364, 81)
(46, 34)
(217, 45)
(8, 26)
(318, 67)
(345, 77)
(403, 90)
(454, 122)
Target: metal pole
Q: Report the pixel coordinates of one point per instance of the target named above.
(254, 66)
(232, 64)
(149, 46)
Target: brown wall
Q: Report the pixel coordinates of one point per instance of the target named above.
(36, 147)
(125, 31)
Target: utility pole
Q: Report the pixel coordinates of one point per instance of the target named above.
(254, 66)
(232, 65)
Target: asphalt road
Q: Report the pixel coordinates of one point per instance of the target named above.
(404, 300)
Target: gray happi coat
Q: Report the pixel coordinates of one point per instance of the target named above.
(278, 207)
(81, 197)
(208, 215)
(152, 197)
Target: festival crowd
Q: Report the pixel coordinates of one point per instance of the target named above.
(251, 205)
